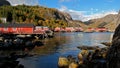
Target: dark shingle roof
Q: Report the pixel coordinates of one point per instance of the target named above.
(16, 25)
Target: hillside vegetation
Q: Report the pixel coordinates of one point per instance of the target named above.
(37, 15)
(43, 16)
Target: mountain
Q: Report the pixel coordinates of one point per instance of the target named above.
(78, 23)
(64, 16)
(110, 21)
(4, 2)
(37, 15)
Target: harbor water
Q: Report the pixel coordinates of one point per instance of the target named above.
(63, 44)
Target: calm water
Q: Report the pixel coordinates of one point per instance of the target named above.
(63, 44)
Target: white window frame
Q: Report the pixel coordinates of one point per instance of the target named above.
(14, 28)
(5, 28)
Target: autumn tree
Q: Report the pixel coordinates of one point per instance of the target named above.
(37, 15)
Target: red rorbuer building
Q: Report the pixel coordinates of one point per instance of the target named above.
(69, 29)
(17, 28)
(101, 29)
(57, 29)
(42, 28)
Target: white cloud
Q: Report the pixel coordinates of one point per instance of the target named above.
(20, 2)
(84, 15)
(98, 15)
(63, 8)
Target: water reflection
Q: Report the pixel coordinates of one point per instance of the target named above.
(96, 38)
(51, 45)
(62, 44)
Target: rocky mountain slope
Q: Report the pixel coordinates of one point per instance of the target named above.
(37, 15)
(78, 23)
(110, 21)
(51, 17)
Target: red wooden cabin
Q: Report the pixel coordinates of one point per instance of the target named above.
(57, 29)
(89, 30)
(69, 29)
(42, 28)
(17, 28)
(101, 29)
(77, 29)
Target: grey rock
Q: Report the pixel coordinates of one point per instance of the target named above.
(113, 55)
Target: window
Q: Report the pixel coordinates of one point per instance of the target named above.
(14, 29)
(5, 29)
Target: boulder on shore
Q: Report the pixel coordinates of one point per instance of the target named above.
(84, 47)
(113, 55)
(63, 62)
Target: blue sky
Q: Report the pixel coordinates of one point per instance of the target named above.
(78, 9)
(83, 5)
(84, 9)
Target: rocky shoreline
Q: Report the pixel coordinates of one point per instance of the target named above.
(113, 55)
(95, 57)
(10, 61)
(89, 57)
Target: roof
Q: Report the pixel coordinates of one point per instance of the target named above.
(16, 25)
(41, 27)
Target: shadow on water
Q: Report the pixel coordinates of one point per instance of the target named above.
(51, 45)
(62, 44)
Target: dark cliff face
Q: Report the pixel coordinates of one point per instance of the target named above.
(113, 56)
(4, 2)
